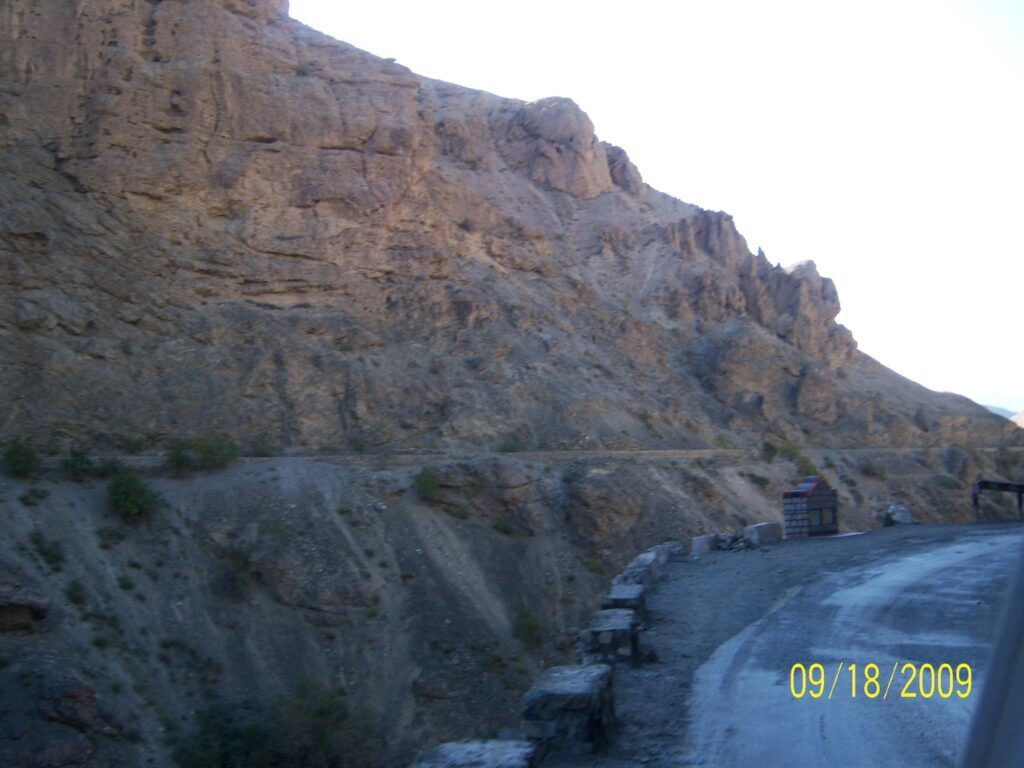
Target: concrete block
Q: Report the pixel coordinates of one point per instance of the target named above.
(631, 597)
(763, 533)
(704, 544)
(571, 709)
(668, 550)
(643, 569)
(481, 754)
(612, 637)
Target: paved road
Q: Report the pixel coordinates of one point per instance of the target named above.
(928, 606)
(728, 628)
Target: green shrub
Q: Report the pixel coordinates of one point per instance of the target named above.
(201, 453)
(75, 593)
(33, 496)
(50, 551)
(313, 727)
(768, 451)
(125, 583)
(526, 626)
(868, 468)
(501, 525)
(215, 452)
(805, 466)
(759, 480)
(131, 496)
(592, 564)
(510, 444)
(790, 451)
(21, 458)
(428, 485)
(77, 466)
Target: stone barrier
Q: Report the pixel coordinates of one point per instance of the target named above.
(763, 533)
(571, 709)
(704, 544)
(613, 636)
(630, 596)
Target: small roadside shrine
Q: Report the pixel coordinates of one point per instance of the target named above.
(810, 509)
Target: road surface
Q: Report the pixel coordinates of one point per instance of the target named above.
(721, 695)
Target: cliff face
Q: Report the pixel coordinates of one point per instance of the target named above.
(215, 219)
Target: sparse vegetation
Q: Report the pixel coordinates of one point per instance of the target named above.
(33, 496)
(869, 468)
(768, 451)
(502, 525)
(21, 459)
(805, 467)
(428, 485)
(790, 451)
(759, 480)
(75, 593)
(125, 583)
(201, 453)
(107, 468)
(592, 564)
(110, 536)
(132, 497)
(510, 444)
(526, 626)
(313, 727)
(77, 466)
(49, 550)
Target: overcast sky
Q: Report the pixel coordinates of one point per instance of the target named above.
(883, 140)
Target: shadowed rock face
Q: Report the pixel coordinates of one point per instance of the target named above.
(213, 218)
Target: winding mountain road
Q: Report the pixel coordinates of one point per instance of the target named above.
(720, 694)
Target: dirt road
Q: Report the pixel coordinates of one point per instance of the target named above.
(728, 628)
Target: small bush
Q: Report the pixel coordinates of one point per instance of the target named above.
(75, 593)
(592, 564)
(130, 496)
(110, 536)
(77, 466)
(50, 551)
(21, 458)
(510, 444)
(201, 453)
(313, 727)
(125, 583)
(868, 468)
(428, 486)
(790, 451)
(501, 525)
(526, 627)
(33, 496)
(769, 451)
(805, 466)
(759, 480)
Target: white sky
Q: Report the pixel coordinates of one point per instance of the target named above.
(883, 140)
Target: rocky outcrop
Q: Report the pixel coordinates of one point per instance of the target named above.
(215, 219)
(23, 601)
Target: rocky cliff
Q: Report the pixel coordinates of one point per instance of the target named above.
(216, 220)
(213, 218)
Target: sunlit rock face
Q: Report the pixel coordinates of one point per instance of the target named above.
(213, 218)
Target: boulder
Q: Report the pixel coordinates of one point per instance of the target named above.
(897, 514)
(23, 601)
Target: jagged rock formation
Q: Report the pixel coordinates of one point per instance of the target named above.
(213, 218)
